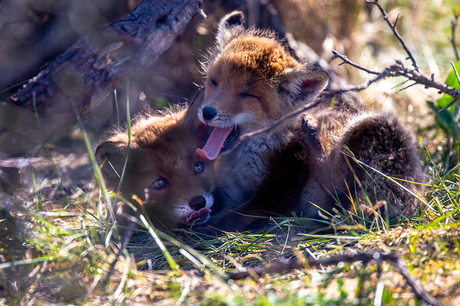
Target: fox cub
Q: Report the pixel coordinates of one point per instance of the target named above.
(309, 161)
(162, 169)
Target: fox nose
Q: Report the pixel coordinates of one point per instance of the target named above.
(197, 202)
(209, 113)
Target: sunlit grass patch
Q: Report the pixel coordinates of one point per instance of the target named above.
(70, 263)
(69, 258)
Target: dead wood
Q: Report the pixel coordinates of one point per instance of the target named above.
(86, 74)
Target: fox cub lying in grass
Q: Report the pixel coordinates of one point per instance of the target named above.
(304, 165)
(162, 169)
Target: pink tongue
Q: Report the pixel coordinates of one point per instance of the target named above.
(198, 214)
(214, 144)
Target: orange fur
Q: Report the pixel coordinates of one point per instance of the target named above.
(251, 81)
(162, 167)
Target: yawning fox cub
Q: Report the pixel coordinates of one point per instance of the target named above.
(252, 80)
(161, 164)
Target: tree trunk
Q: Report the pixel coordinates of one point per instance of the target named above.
(88, 72)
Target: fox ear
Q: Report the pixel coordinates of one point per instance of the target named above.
(230, 27)
(111, 155)
(304, 84)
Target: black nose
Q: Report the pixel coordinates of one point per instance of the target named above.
(197, 203)
(209, 113)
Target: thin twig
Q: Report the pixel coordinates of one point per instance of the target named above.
(408, 86)
(124, 243)
(448, 105)
(398, 264)
(345, 59)
(319, 100)
(400, 70)
(326, 95)
(455, 70)
(395, 32)
(400, 84)
(395, 70)
(453, 24)
(458, 80)
(271, 127)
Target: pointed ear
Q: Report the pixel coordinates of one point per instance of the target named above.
(229, 27)
(304, 84)
(111, 155)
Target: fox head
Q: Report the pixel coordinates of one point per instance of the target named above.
(162, 169)
(251, 81)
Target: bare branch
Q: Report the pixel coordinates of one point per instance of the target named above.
(398, 264)
(455, 70)
(104, 59)
(400, 70)
(319, 100)
(395, 70)
(448, 105)
(345, 59)
(408, 86)
(453, 24)
(271, 127)
(124, 243)
(395, 32)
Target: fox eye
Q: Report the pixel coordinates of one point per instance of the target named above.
(159, 184)
(246, 95)
(199, 167)
(213, 82)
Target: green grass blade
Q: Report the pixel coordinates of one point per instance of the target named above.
(172, 263)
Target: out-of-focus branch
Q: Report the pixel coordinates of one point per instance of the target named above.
(87, 73)
(396, 262)
(453, 24)
(458, 80)
(104, 59)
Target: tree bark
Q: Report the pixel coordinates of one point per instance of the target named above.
(88, 72)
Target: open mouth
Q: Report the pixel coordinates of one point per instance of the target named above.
(219, 141)
(199, 217)
(230, 138)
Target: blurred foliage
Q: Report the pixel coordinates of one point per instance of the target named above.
(448, 119)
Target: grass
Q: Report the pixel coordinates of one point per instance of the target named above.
(62, 251)
(67, 260)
